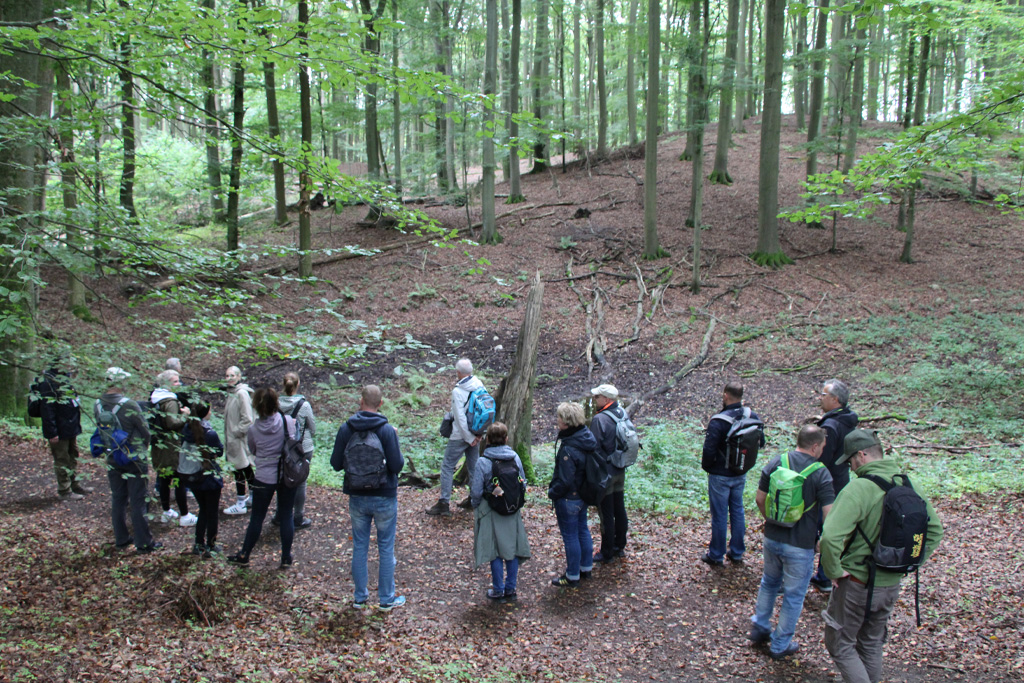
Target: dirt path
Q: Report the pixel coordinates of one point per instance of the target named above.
(72, 604)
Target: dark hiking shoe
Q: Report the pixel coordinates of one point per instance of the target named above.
(564, 581)
(707, 559)
(585, 576)
(759, 635)
(151, 548)
(734, 558)
(791, 650)
(238, 559)
(823, 585)
(303, 523)
(439, 508)
(603, 559)
(495, 595)
(466, 504)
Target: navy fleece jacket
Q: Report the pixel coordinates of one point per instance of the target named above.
(365, 421)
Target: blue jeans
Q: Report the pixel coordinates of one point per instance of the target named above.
(504, 574)
(128, 488)
(571, 514)
(452, 452)
(382, 511)
(790, 568)
(262, 494)
(725, 497)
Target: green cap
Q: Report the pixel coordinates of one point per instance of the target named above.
(856, 441)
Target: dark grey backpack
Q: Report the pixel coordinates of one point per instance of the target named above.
(365, 466)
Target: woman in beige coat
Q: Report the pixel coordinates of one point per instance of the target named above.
(237, 420)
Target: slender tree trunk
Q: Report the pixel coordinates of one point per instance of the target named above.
(126, 191)
(750, 108)
(213, 171)
(693, 65)
(577, 77)
(919, 109)
(741, 68)
(274, 128)
(396, 108)
(800, 68)
(874, 55)
(235, 174)
(769, 249)
(857, 101)
(540, 84)
(908, 107)
(697, 176)
(504, 40)
(817, 94)
(837, 70)
(490, 231)
(371, 48)
(515, 192)
(602, 91)
(652, 248)
(959, 67)
(69, 190)
(720, 173)
(306, 158)
(631, 50)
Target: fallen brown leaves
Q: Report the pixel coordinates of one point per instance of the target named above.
(75, 609)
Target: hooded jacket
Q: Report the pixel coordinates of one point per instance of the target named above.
(305, 419)
(366, 421)
(570, 462)
(843, 548)
(460, 398)
(265, 441)
(713, 456)
(164, 450)
(238, 418)
(60, 410)
(132, 420)
(837, 424)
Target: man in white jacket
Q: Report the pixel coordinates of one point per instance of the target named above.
(462, 441)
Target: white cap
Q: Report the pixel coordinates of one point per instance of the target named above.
(116, 374)
(606, 390)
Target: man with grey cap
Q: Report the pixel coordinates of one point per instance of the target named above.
(612, 509)
(128, 482)
(854, 630)
(462, 441)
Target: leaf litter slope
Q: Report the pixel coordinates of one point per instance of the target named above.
(76, 609)
(74, 606)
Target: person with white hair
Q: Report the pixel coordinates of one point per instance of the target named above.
(237, 420)
(168, 420)
(462, 442)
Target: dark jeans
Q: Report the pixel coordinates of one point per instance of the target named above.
(262, 494)
(208, 518)
(571, 514)
(614, 523)
(163, 485)
(241, 477)
(128, 491)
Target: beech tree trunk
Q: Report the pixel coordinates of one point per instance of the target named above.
(306, 124)
(213, 172)
(235, 174)
(371, 48)
(919, 109)
(126, 191)
(515, 192)
(69, 189)
(769, 249)
(741, 83)
(856, 101)
(720, 172)
(631, 106)
(274, 128)
(396, 108)
(652, 249)
(817, 94)
(540, 84)
(490, 231)
(602, 91)
(517, 395)
(700, 110)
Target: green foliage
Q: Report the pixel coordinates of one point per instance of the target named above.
(775, 260)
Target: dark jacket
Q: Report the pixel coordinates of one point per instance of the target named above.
(713, 459)
(837, 424)
(132, 420)
(576, 443)
(365, 421)
(603, 428)
(209, 477)
(60, 410)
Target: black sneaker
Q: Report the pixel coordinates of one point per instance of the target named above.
(287, 562)
(151, 548)
(759, 635)
(734, 559)
(198, 549)
(585, 576)
(707, 559)
(600, 557)
(303, 523)
(564, 581)
(510, 596)
(495, 595)
(791, 650)
(823, 585)
(238, 559)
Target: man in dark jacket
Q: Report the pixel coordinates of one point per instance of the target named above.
(837, 420)
(62, 423)
(129, 482)
(377, 505)
(725, 487)
(612, 510)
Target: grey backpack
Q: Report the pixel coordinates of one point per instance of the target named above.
(365, 466)
(627, 442)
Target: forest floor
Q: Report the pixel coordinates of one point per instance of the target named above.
(76, 609)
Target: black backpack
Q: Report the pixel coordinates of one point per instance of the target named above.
(511, 489)
(365, 464)
(743, 441)
(597, 477)
(902, 536)
(294, 466)
(35, 405)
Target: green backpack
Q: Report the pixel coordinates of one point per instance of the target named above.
(786, 493)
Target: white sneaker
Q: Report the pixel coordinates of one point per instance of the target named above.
(169, 516)
(188, 520)
(236, 509)
(248, 499)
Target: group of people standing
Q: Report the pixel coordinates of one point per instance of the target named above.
(840, 516)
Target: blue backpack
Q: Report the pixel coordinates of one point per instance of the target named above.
(110, 438)
(479, 411)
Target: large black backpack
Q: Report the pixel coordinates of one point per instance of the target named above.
(365, 464)
(742, 442)
(597, 477)
(506, 491)
(294, 466)
(902, 536)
